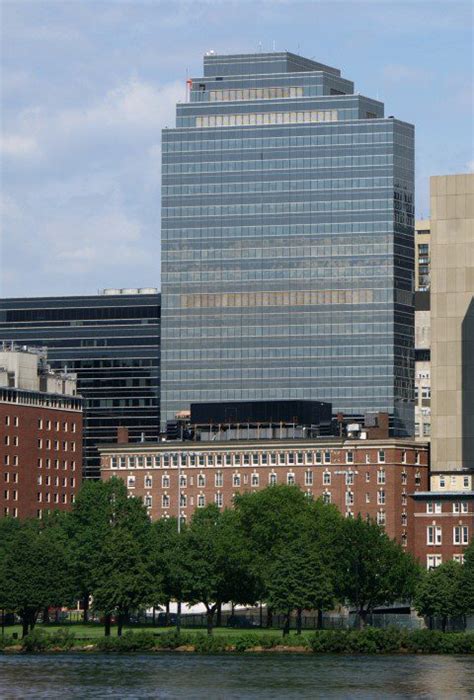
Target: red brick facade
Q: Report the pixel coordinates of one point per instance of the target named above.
(444, 526)
(372, 477)
(40, 458)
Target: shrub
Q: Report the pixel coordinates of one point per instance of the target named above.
(62, 639)
(7, 642)
(36, 640)
(172, 640)
(246, 641)
(210, 644)
(329, 641)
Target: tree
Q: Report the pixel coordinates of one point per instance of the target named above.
(268, 520)
(298, 580)
(214, 562)
(375, 569)
(468, 578)
(122, 580)
(165, 562)
(35, 572)
(99, 507)
(440, 592)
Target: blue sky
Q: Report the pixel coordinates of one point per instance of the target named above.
(87, 86)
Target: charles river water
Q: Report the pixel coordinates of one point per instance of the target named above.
(258, 676)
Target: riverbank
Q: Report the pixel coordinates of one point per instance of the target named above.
(368, 641)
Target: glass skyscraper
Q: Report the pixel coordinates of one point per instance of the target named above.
(112, 342)
(287, 242)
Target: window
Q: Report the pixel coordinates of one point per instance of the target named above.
(433, 560)
(381, 456)
(327, 457)
(404, 519)
(273, 458)
(404, 457)
(228, 460)
(219, 479)
(381, 476)
(299, 458)
(255, 479)
(165, 501)
(201, 501)
(149, 462)
(350, 457)
(148, 482)
(201, 480)
(381, 517)
(148, 501)
(460, 534)
(349, 498)
(367, 477)
(40, 423)
(183, 481)
(219, 500)
(290, 478)
(327, 497)
(404, 478)
(367, 497)
(466, 482)
(326, 478)
(404, 499)
(442, 482)
(464, 507)
(349, 478)
(157, 461)
(459, 558)
(183, 500)
(235, 480)
(165, 481)
(434, 535)
(131, 482)
(272, 479)
(291, 457)
(417, 479)
(308, 477)
(381, 498)
(318, 457)
(255, 458)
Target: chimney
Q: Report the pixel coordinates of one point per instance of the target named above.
(122, 435)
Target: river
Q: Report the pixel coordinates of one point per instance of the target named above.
(256, 676)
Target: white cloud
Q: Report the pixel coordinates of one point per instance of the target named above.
(17, 145)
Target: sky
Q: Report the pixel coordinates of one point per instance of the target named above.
(87, 85)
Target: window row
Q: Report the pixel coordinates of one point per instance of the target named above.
(457, 507)
(58, 425)
(55, 445)
(268, 93)
(210, 120)
(454, 478)
(56, 481)
(272, 208)
(12, 420)
(434, 534)
(54, 498)
(277, 186)
(48, 463)
(285, 164)
(282, 458)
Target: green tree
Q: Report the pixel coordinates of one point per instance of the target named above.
(468, 576)
(299, 580)
(122, 579)
(99, 507)
(374, 569)
(214, 563)
(269, 520)
(35, 572)
(165, 562)
(440, 593)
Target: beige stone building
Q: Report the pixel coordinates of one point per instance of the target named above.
(452, 331)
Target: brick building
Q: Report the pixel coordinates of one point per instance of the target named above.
(40, 435)
(444, 525)
(373, 476)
